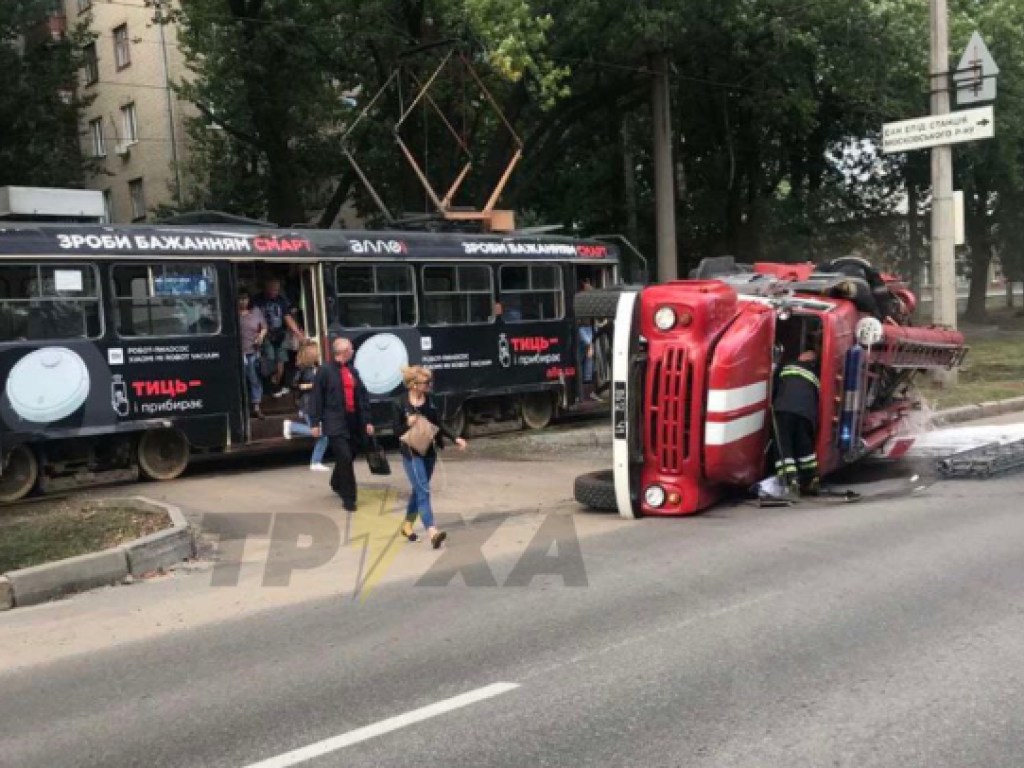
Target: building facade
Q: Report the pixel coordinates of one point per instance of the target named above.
(134, 127)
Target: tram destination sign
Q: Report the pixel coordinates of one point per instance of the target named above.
(938, 130)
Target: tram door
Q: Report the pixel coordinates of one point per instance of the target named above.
(302, 287)
(593, 342)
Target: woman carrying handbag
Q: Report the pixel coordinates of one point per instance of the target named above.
(419, 431)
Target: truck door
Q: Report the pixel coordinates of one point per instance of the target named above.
(738, 410)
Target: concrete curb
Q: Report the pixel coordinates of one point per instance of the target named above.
(6, 594)
(978, 411)
(158, 551)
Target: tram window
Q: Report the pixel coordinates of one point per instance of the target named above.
(49, 301)
(375, 295)
(458, 295)
(531, 292)
(166, 300)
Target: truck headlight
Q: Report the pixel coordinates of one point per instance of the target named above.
(654, 496)
(665, 319)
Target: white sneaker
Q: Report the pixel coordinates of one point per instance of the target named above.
(287, 429)
(319, 468)
(281, 392)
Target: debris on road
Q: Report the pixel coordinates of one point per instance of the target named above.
(984, 461)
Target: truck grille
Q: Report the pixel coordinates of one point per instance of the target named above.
(668, 396)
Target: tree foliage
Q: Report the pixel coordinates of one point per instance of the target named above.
(39, 106)
(777, 108)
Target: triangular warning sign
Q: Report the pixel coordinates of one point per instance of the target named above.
(975, 76)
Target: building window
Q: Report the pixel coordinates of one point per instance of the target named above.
(49, 301)
(84, 5)
(530, 292)
(129, 124)
(91, 64)
(122, 49)
(458, 295)
(375, 295)
(166, 300)
(108, 206)
(96, 137)
(137, 193)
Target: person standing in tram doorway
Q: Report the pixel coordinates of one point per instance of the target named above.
(340, 409)
(796, 423)
(280, 315)
(253, 330)
(585, 348)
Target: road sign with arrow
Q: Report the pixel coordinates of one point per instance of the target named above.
(938, 130)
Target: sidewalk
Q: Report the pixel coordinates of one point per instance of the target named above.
(505, 501)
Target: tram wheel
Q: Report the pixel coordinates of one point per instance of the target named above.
(21, 471)
(163, 454)
(538, 409)
(457, 422)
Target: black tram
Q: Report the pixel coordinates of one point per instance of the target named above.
(120, 353)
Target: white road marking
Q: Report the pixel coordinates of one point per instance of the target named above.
(367, 732)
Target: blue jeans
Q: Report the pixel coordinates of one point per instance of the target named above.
(419, 470)
(585, 342)
(320, 448)
(252, 375)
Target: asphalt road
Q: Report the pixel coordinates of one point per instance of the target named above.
(885, 633)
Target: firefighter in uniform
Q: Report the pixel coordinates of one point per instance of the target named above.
(796, 422)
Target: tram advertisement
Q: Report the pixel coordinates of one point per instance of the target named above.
(80, 386)
(465, 359)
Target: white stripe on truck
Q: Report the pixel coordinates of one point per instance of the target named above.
(725, 432)
(726, 400)
(620, 383)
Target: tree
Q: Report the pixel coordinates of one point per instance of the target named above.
(278, 82)
(39, 104)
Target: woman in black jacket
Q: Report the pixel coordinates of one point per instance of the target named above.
(416, 403)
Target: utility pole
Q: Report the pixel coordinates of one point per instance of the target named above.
(664, 190)
(944, 302)
(172, 133)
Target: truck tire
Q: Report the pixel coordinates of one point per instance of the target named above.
(596, 490)
(596, 304)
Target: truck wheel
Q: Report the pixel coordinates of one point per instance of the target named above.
(20, 473)
(596, 304)
(538, 409)
(596, 490)
(163, 454)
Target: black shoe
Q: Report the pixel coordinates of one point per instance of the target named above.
(437, 538)
(409, 535)
(257, 413)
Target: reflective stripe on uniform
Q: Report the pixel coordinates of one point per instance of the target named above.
(796, 370)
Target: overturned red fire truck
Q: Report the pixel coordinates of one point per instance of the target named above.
(692, 364)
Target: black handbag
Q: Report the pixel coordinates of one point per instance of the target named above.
(376, 460)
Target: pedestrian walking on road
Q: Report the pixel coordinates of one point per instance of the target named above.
(414, 404)
(340, 409)
(308, 362)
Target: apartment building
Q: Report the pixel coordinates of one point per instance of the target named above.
(134, 127)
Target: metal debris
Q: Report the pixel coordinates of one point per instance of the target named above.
(984, 461)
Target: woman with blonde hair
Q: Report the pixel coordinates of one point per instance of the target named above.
(414, 404)
(306, 362)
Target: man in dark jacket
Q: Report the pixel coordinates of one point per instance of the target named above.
(340, 409)
(796, 422)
